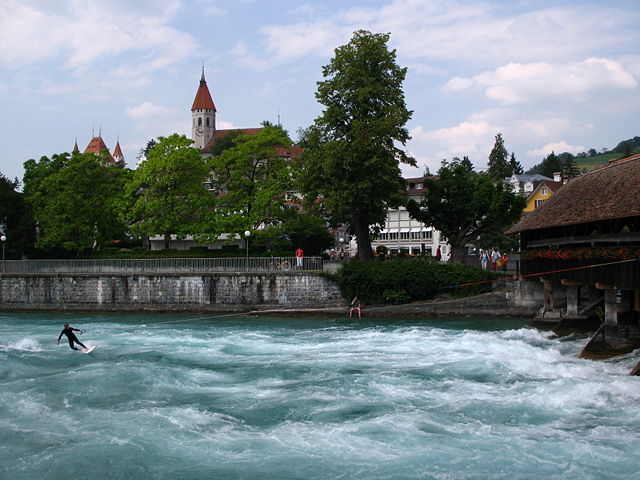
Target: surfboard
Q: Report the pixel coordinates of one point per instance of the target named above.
(88, 349)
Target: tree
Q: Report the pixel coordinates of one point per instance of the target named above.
(515, 165)
(225, 142)
(75, 200)
(463, 205)
(16, 220)
(570, 168)
(351, 165)
(498, 166)
(253, 181)
(166, 191)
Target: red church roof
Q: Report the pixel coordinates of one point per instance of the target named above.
(117, 153)
(97, 145)
(203, 100)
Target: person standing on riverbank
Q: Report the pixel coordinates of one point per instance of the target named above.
(299, 257)
(68, 331)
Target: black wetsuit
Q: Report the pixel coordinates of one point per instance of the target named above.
(72, 337)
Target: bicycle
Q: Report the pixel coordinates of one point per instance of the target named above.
(279, 264)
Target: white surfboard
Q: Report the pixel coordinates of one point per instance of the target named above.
(88, 349)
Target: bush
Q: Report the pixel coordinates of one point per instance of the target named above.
(401, 280)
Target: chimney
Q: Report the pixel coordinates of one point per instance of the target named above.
(557, 177)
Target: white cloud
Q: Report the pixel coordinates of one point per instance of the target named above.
(557, 147)
(517, 83)
(147, 111)
(474, 32)
(82, 33)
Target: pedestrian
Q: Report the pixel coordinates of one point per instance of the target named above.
(299, 257)
(438, 254)
(356, 304)
(68, 331)
(495, 258)
(504, 260)
(484, 259)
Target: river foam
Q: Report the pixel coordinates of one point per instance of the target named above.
(232, 397)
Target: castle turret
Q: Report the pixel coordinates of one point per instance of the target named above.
(203, 115)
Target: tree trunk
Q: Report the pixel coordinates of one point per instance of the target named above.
(365, 252)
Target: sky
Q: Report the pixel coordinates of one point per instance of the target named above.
(548, 75)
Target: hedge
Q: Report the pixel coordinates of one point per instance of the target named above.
(409, 279)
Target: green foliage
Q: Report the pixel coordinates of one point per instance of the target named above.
(16, 221)
(308, 232)
(463, 205)
(75, 201)
(252, 181)
(412, 279)
(350, 169)
(499, 167)
(165, 194)
(515, 165)
(225, 142)
(395, 296)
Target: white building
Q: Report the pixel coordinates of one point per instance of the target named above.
(402, 234)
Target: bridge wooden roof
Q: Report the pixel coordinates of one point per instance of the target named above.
(608, 192)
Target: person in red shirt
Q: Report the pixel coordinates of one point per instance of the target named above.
(299, 257)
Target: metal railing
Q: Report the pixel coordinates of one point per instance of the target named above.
(165, 265)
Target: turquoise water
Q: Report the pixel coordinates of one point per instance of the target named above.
(231, 397)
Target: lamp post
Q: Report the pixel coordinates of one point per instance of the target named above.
(3, 238)
(247, 234)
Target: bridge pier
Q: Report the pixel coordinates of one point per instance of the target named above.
(610, 305)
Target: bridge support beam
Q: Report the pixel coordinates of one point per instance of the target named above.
(573, 297)
(610, 306)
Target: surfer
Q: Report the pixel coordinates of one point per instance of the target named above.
(68, 331)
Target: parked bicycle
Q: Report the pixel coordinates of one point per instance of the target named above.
(279, 264)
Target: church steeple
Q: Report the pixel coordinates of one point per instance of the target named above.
(203, 115)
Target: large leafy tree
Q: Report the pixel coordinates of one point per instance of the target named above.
(252, 181)
(16, 221)
(166, 192)
(351, 166)
(74, 199)
(499, 166)
(464, 205)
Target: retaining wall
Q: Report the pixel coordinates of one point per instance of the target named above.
(162, 292)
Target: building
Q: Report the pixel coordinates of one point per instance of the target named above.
(97, 145)
(525, 184)
(542, 192)
(403, 235)
(586, 237)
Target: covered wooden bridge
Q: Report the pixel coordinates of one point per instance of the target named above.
(583, 245)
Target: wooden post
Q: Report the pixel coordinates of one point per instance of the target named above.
(610, 306)
(548, 294)
(573, 297)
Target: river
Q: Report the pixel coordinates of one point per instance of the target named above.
(235, 397)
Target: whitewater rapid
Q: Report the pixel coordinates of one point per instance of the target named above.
(188, 397)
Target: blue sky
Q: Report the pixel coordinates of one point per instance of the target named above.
(561, 75)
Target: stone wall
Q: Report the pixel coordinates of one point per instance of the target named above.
(201, 292)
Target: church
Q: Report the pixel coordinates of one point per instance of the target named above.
(97, 145)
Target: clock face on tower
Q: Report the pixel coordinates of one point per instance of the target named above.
(199, 131)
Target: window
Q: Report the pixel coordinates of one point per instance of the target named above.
(544, 191)
(415, 235)
(199, 121)
(404, 235)
(538, 203)
(393, 235)
(426, 235)
(207, 121)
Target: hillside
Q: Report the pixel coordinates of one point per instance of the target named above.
(586, 161)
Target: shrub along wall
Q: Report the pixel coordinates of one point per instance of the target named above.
(409, 279)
